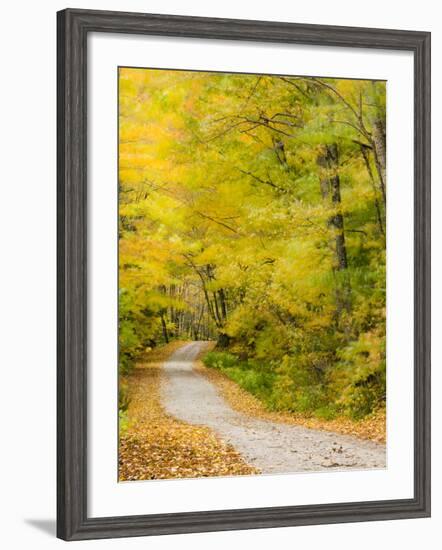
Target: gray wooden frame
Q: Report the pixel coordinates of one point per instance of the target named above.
(73, 28)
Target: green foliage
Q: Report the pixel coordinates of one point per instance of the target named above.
(139, 325)
(123, 422)
(360, 376)
(251, 375)
(123, 405)
(280, 388)
(123, 395)
(220, 360)
(293, 387)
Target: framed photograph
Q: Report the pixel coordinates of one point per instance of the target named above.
(243, 274)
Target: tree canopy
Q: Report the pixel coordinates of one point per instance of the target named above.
(252, 212)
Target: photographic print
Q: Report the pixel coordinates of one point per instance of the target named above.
(223, 311)
(252, 274)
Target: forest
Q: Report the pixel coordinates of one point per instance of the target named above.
(252, 212)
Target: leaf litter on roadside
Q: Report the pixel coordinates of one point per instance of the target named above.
(158, 446)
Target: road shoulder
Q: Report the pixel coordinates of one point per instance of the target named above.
(159, 446)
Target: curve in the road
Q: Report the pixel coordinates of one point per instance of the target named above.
(270, 446)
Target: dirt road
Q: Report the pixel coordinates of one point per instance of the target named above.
(270, 446)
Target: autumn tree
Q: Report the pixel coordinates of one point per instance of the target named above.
(252, 212)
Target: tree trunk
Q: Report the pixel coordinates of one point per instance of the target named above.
(328, 160)
(380, 219)
(337, 221)
(164, 327)
(222, 299)
(218, 317)
(331, 191)
(223, 340)
(380, 153)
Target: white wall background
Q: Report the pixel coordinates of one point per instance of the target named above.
(27, 229)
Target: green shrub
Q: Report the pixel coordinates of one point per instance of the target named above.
(314, 379)
(327, 412)
(123, 396)
(123, 422)
(123, 405)
(360, 376)
(259, 384)
(253, 376)
(220, 360)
